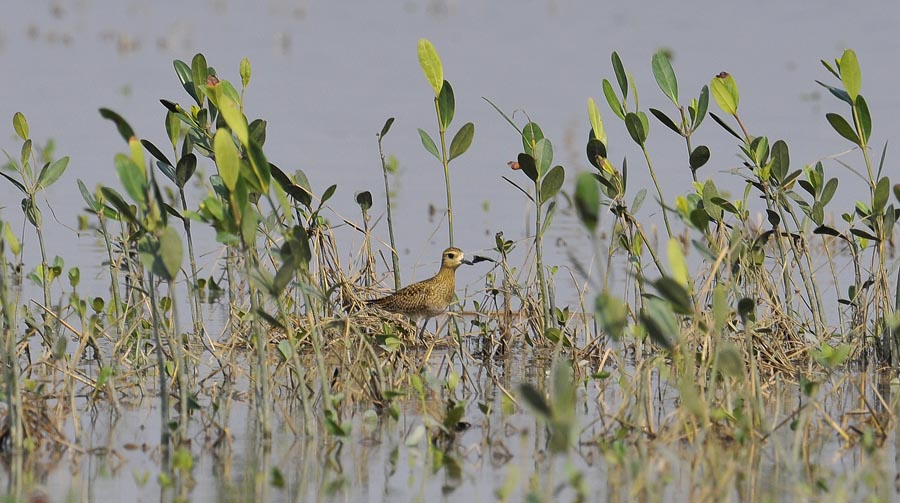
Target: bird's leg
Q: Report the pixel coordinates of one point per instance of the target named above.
(422, 331)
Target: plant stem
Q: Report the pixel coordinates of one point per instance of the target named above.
(446, 162)
(395, 257)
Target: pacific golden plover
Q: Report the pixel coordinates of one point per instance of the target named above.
(428, 298)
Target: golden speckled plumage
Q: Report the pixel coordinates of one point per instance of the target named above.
(427, 298)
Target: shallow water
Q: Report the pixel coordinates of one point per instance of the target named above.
(326, 75)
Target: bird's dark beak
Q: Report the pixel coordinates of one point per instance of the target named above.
(466, 261)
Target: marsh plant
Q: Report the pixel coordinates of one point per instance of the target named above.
(732, 347)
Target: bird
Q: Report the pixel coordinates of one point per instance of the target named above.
(427, 298)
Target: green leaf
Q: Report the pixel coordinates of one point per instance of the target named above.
(613, 100)
(596, 121)
(133, 179)
(865, 120)
(531, 133)
(535, 401)
(635, 128)
(387, 127)
(185, 76)
(612, 315)
(462, 140)
(828, 192)
(665, 75)
(170, 254)
(543, 155)
(842, 127)
(431, 65)
(446, 104)
(364, 200)
(228, 160)
(119, 203)
(781, 160)
(880, 198)
(327, 194)
(837, 92)
(587, 200)
(677, 263)
(851, 76)
(702, 106)
(551, 183)
(15, 182)
(260, 166)
(669, 123)
(428, 143)
(121, 125)
(660, 323)
(235, 119)
(699, 157)
(89, 198)
(245, 72)
(173, 128)
(621, 76)
(52, 172)
(20, 124)
(725, 92)
(675, 294)
(185, 170)
(526, 164)
(199, 74)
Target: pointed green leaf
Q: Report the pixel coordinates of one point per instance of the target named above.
(665, 75)
(173, 128)
(245, 72)
(185, 76)
(851, 76)
(227, 158)
(781, 160)
(431, 65)
(669, 123)
(842, 127)
(677, 263)
(52, 172)
(446, 104)
(462, 140)
(428, 143)
(20, 124)
(596, 121)
(613, 100)
(121, 125)
(185, 169)
(132, 178)
(865, 120)
(702, 105)
(880, 198)
(260, 166)
(235, 119)
(612, 315)
(621, 77)
(199, 74)
(551, 183)
(387, 127)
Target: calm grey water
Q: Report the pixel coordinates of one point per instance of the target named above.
(326, 75)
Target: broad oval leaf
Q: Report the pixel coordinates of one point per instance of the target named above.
(387, 127)
(880, 198)
(133, 179)
(185, 169)
(635, 128)
(199, 74)
(587, 200)
(725, 92)
(699, 157)
(170, 253)
(665, 75)
(781, 160)
(431, 65)
(551, 183)
(851, 76)
(543, 155)
(702, 106)
(231, 112)
(595, 151)
(428, 143)
(462, 140)
(677, 263)
(364, 200)
(621, 76)
(527, 165)
(531, 133)
(20, 124)
(446, 104)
